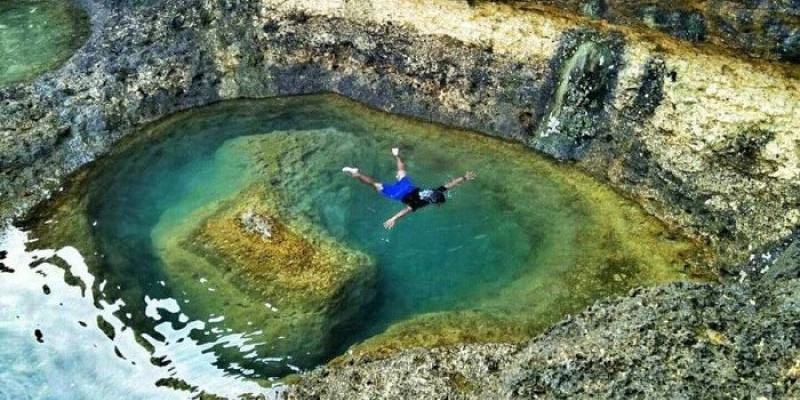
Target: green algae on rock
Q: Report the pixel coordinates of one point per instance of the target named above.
(38, 35)
(277, 256)
(262, 261)
(442, 329)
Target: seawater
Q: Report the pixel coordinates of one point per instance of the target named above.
(38, 35)
(508, 254)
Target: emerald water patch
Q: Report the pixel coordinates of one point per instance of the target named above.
(233, 228)
(38, 35)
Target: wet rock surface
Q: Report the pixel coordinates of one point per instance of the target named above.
(662, 135)
(706, 141)
(453, 372)
(577, 112)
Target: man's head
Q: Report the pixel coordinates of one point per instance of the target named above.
(432, 196)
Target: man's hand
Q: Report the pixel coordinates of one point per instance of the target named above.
(389, 224)
(461, 179)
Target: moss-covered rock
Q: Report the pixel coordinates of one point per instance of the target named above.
(444, 329)
(293, 279)
(296, 266)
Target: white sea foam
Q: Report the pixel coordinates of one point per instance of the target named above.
(94, 372)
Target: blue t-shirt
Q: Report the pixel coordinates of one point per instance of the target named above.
(397, 190)
(405, 191)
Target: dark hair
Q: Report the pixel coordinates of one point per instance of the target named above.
(437, 197)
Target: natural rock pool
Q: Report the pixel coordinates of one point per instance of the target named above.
(38, 35)
(224, 243)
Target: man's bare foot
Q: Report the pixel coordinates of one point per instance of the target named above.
(395, 151)
(350, 170)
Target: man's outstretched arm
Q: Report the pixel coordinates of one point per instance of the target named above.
(461, 179)
(389, 224)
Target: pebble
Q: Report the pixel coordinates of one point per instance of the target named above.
(39, 335)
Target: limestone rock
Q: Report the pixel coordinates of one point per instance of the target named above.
(258, 224)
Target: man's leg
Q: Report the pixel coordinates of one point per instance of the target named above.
(363, 178)
(401, 166)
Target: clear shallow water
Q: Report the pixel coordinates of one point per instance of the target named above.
(37, 35)
(509, 253)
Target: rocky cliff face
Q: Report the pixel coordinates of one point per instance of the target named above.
(705, 140)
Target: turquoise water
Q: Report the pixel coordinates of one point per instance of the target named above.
(38, 35)
(509, 253)
(439, 259)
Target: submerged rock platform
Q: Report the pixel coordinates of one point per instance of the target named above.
(275, 272)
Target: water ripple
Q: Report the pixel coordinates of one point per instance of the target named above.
(13, 388)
